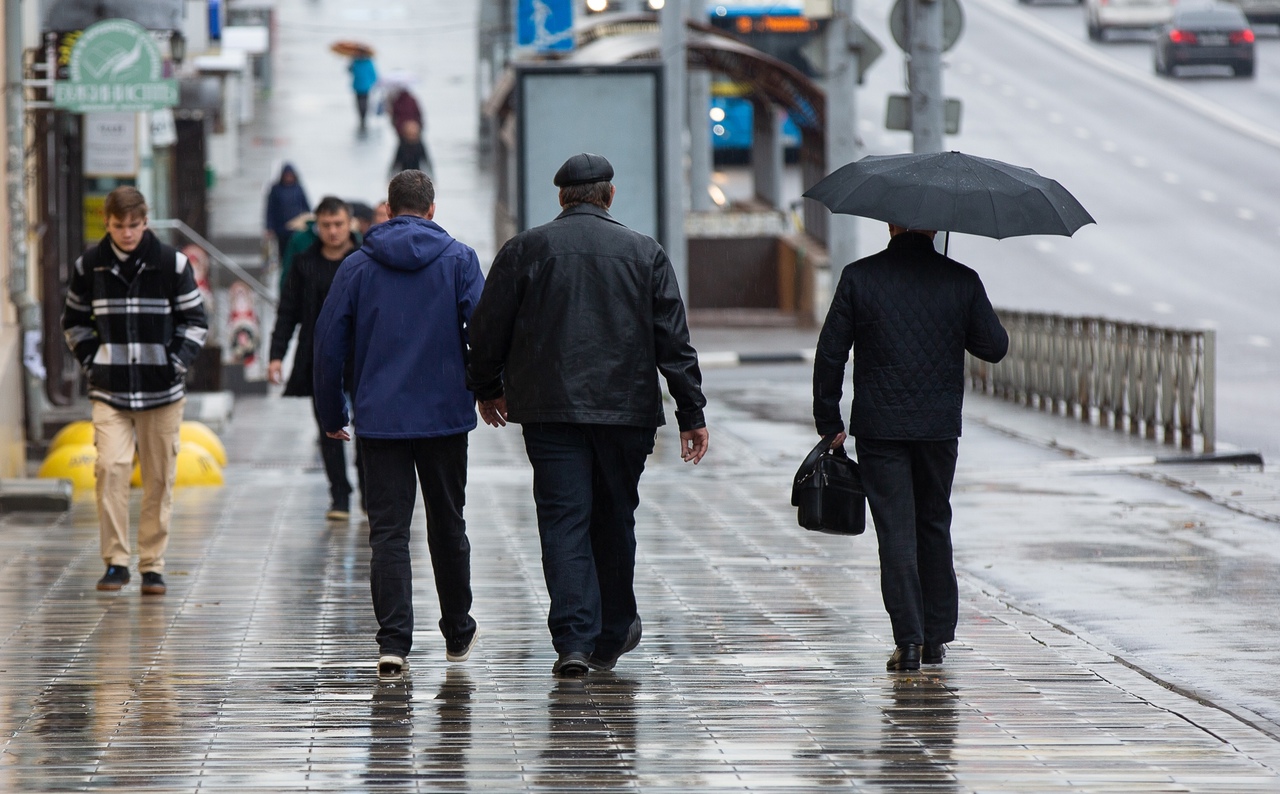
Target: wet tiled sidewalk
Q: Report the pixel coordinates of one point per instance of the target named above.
(761, 669)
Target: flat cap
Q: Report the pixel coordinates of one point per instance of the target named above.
(582, 169)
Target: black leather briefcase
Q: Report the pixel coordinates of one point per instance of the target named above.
(827, 491)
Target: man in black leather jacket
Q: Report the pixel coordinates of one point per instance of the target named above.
(909, 314)
(577, 319)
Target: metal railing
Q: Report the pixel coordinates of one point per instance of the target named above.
(1143, 379)
(216, 256)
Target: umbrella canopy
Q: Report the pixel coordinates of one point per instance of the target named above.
(953, 192)
(352, 49)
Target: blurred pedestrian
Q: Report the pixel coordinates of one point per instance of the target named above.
(404, 301)
(405, 108)
(412, 152)
(285, 201)
(361, 217)
(363, 77)
(303, 295)
(135, 321)
(577, 319)
(909, 314)
(381, 213)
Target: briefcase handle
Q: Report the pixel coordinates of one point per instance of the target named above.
(811, 462)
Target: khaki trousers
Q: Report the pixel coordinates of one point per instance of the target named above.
(156, 431)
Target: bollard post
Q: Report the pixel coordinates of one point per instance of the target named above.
(1208, 380)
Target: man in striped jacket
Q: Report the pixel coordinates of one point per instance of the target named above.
(135, 321)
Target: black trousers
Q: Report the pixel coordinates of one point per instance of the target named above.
(440, 464)
(333, 453)
(585, 485)
(908, 486)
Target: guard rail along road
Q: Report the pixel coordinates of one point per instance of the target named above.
(1142, 379)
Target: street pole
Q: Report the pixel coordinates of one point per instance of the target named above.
(20, 276)
(675, 77)
(928, 105)
(699, 140)
(841, 86)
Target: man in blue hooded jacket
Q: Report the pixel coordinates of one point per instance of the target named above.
(402, 303)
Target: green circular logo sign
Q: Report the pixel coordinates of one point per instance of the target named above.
(115, 51)
(115, 65)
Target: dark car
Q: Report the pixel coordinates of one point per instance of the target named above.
(1217, 35)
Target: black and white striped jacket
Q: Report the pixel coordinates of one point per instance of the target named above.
(135, 338)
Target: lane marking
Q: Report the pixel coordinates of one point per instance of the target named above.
(1182, 96)
(1259, 341)
(1139, 161)
(1162, 307)
(1082, 267)
(1208, 196)
(1110, 146)
(1171, 178)
(1121, 289)
(1246, 214)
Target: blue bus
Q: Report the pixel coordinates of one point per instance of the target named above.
(779, 29)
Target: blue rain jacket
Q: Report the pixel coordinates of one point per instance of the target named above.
(404, 300)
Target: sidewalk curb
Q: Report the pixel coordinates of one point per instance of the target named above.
(728, 359)
(1225, 722)
(1145, 467)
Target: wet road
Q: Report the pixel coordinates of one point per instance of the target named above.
(761, 668)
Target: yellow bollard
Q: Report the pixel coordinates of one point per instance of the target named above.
(199, 433)
(73, 462)
(197, 467)
(80, 432)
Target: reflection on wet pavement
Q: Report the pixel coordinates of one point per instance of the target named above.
(762, 666)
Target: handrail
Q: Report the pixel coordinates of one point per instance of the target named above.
(1141, 378)
(217, 256)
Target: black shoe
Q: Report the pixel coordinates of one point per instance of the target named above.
(905, 657)
(933, 654)
(606, 662)
(570, 665)
(152, 583)
(117, 576)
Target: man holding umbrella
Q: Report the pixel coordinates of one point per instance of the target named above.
(909, 314)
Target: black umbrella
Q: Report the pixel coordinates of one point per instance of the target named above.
(953, 192)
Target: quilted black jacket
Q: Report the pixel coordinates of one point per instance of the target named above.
(135, 338)
(909, 314)
(577, 319)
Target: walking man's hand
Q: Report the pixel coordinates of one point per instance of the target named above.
(275, 372)
(341, 435)
(839, 442)
(693, 444)
(494, 412)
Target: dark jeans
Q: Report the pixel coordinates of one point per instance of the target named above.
(362, 107)
(441, 466)
(585, 480)
(334, 455)
(908, 486)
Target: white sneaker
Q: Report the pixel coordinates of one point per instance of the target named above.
(461, 654)
(391, 666)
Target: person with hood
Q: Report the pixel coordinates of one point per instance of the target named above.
(285, 201)
(403, 303)
(305, 289)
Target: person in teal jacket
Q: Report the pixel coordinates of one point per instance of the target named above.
(363, 78)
